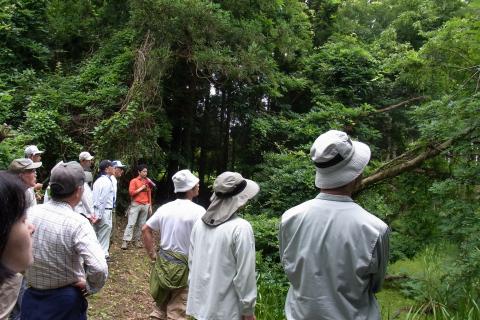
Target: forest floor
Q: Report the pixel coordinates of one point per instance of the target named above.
(126, 294)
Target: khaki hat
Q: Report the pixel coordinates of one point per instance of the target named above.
(85, 156)
(338, 159)
(231, 191)
(184, 180)
(66, 177)
(23, 164)
(32, 150)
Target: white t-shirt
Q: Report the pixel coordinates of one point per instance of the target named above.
(174, 220)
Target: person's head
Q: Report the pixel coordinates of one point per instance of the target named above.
(15, 231)
(32, 152)
(186, 184)
(231, 192)
(66, 182)
(339, 161)
(85, 159)
(142, 170)
(106, 167)
(26, 170)
(118, 168)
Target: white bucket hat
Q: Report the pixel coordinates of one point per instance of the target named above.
(231, 191)
(338, 159)
(184, 180)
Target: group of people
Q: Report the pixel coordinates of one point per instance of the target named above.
(334, 252)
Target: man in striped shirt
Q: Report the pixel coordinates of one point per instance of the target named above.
(68, 260)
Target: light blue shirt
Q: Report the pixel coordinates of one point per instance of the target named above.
(103, 195)
(335, 256)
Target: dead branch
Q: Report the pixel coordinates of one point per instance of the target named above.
(400, 104)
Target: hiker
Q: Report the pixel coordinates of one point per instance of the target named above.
(174, 221)
(222, 281)
(25, 169)
(85, 159)
(118, 171)
(33, 153)
(140, 190)
(103, 199)
(333, 251)
(68, 260)
(15, 240)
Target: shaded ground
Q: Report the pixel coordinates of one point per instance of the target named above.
(126, 294)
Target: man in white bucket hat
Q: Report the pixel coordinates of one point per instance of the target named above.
(222, 281)
(334, 252)
(174, 221)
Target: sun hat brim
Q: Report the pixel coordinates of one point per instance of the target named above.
(191, 184)
(343, 173)
(222, 209)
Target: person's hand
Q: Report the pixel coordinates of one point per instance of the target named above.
(252, 317)
(94, 219)
(38, 186)
(149, 210)
(81, 284)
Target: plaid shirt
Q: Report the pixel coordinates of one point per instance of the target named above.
(65, 249)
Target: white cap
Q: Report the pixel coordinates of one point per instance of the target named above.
(32, 150)
(184, 180)
(338, 159)
(118, 164)
(85, 155)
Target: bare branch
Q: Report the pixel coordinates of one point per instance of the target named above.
(400, 104)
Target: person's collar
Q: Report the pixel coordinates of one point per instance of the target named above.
(333, 197)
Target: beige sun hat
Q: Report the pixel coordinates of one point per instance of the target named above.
(231, 191)
(23, 164)
(184, 180)
(338, 159)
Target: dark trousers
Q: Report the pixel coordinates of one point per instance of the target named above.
(65, 303)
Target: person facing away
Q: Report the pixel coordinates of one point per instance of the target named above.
(222, 281)
(103, 200)
(68, 260)
(174, 221)
(140, 190)
(15, 240)
(333, 251)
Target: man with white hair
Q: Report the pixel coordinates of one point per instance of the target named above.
(222, 281)
(174, 221)
(333, 251)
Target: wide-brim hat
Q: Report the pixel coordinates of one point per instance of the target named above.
(23, 164)
(231, 191)
(338, 159)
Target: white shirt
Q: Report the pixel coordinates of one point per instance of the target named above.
(103, 195)
(65, 248)
(222, 281)
(115, 188)
(85, 206)
(174, 220)
(335, 256)
(30, 197)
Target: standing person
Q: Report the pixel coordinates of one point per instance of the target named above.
(25, 169)
(118, 170)
(333, 251)
(34, 154)
(174, 221)
(103, 199)
(86, 159)
(222, 281)
(68, 260)
(140, 190)
(15, 240)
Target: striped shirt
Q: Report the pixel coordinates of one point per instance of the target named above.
(65, 249)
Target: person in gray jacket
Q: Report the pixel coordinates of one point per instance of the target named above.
(334, 252)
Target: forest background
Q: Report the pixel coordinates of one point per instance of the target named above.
(247, 86)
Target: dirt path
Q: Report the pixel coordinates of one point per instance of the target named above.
(126, 294)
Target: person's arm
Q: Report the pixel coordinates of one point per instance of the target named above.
(100, 193)
(379, 261)
(148, 241)
(87, 246)
(135, 187)
(244, 280)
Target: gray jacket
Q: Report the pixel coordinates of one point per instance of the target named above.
(335, 256)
